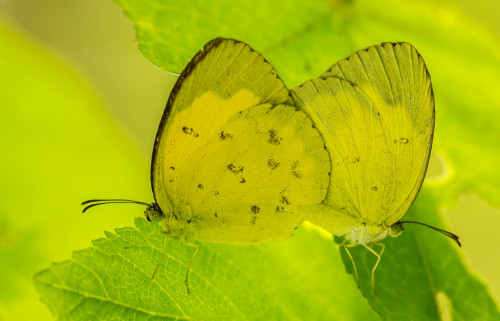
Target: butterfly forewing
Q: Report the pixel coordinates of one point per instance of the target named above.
(395, 78)
(229, 145)
(354, 134)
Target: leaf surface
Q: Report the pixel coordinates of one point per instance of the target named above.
(297, 279)
(422, 275)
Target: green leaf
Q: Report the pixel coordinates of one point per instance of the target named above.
(421, 275)
(300, 278)
(171, 32)
(297, 279)
(303, 38)
(462, 56)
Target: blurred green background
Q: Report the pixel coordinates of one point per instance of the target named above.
(88, 133)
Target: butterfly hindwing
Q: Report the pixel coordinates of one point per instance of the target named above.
(354, 135)
(377, 110)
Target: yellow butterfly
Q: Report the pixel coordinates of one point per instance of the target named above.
(239, 158)
(233, 158)
(375, 110)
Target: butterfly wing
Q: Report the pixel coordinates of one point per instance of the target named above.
(376, 112)
(231, 155)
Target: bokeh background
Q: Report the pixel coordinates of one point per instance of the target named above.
(91, 135)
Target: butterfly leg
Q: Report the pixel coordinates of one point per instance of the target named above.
(144, 239)
(353, 264)
(379, 256)
(162, 256)
(197, 247)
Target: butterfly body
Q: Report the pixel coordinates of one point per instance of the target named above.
(363, 234)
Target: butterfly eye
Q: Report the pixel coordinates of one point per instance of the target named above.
(396, 229)
(154, 213)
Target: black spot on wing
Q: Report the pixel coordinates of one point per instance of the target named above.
(351, 160)
(238, 171)
(200, 186)
(189, 131)
(295, 169)
(374, 188)
(402, 140)
(284, 200)
(235, 169)
(272, 163)
(273, 137)
(223, 136)
(255, 209)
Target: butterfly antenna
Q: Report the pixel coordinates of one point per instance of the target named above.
(452, 236)
(92, 203)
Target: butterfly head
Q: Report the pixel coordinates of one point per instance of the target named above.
(154, 213)
(396, 229)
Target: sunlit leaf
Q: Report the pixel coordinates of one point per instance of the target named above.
(169, 33)
(297, 279)
(422, 275)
